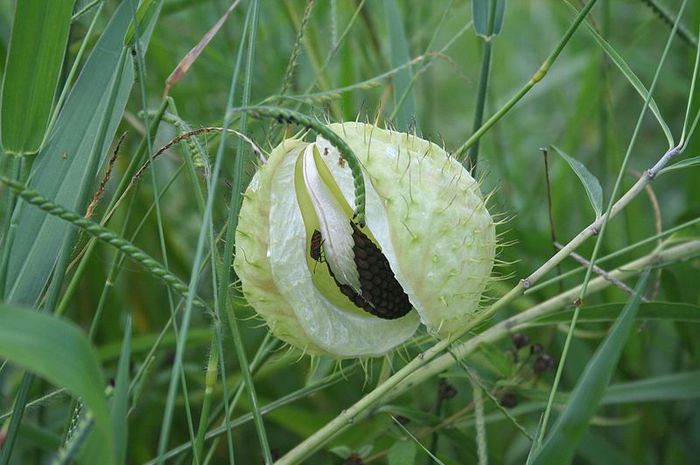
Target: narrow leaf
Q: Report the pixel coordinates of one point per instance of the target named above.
(184, 65)
(59, 352)
(560, 445)
(590, 182)
(481, 11)
(145, 13)
(94, 450)
(404, 98)
(37, 47)
(687, 163)
(65, 170)
(677, 386)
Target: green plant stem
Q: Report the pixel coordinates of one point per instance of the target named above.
(669, 20)
(650, 174)
(479, 421)
(483, 87)
(302, 393)
(103, 234)
(349, 415)
(345, 418)
(521, 321)
(291, 116)
(121, 188)
(225, 307)
(616, 253)
(209, 385)
(480, 103)
(21, 399)
(8, 229)
(537, 77)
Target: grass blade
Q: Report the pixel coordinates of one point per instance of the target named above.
(119, 410)
(37, 47)
(404, 112)
(66, 167)
(559, 447)
(481, 12)
(59, 352)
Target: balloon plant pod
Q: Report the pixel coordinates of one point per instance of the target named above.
(328, 282)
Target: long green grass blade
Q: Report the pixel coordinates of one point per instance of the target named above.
(59, 352)
(119, 408)
(677, 386)
(120, 404)
(65, 169)
(404, 113)
(37, 47)
(481, 12)
(560, 445)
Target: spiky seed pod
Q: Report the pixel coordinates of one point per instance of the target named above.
(328, 285)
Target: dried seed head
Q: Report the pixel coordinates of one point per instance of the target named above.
(520, 340)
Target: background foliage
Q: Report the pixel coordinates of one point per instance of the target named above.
(411, 65)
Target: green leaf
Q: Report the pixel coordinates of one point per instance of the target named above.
(145, 13)
(678, 386)
(37, 47)
(66, 168)
(481, 12)
(595, 448)
(671, 311)
(687, 163)
(404, 98)
(590, 182)
(94, 450)
(561, 443)
(59, 352)
(402, 453)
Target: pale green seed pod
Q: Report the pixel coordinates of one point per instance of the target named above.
(319, 280)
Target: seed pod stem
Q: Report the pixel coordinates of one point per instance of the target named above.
(284, 115)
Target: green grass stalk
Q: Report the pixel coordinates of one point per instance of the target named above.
(536, 78)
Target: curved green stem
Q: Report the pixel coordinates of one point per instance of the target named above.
(294, 117)
(537, 77)
(101, 233)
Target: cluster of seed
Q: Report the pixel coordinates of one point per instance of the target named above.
(380, 292)
(542, 363)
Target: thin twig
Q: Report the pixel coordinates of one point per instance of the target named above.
(601, 272)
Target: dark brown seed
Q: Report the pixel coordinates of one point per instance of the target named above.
(520, 340)
(354, 459)
(543, 363)
(536, 348)
(508, 400)
(446, 390)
